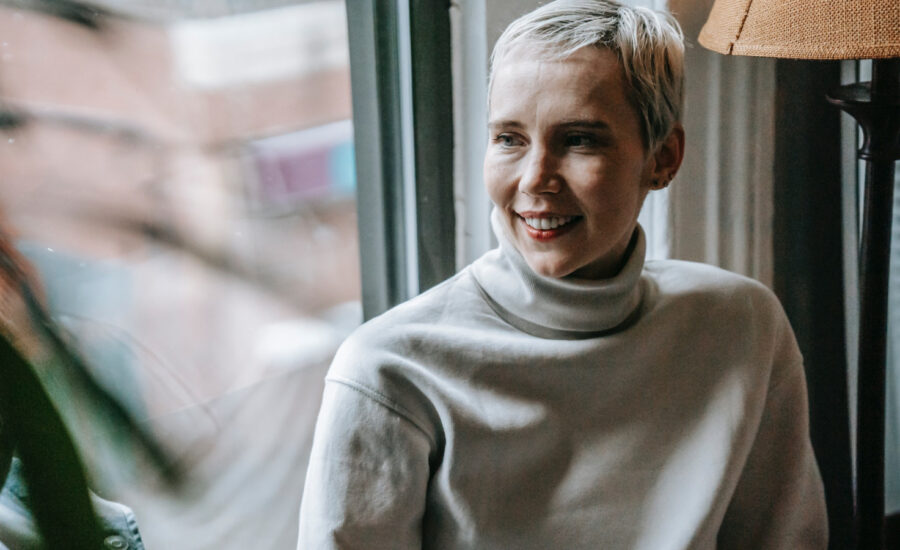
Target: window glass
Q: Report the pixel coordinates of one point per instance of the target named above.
(181, 175)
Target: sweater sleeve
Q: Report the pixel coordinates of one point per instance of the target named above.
(367, 476)
(779, 500)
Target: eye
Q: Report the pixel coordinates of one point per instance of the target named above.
(507, 140)
(583, 141)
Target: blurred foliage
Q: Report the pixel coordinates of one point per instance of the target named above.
(31, 424)
(84, 14)
(44, 377)
(10, 120)
(52, 469)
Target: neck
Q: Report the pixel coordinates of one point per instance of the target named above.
(569, 307)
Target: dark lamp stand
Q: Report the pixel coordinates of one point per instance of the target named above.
(876, 107)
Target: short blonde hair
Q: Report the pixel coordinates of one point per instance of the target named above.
(648, 43)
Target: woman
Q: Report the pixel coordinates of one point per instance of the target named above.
(560, 392)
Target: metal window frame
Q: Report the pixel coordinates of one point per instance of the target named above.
(400, 66)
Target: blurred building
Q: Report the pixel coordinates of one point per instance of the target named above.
(181, 173)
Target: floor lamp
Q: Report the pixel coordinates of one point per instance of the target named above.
(844, 29)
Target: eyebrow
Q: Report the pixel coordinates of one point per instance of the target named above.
(574, 123)
(494, 124)
(585, 123)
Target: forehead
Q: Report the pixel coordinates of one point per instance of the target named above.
(590, 78)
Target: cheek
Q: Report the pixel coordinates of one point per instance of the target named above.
(497, 180)
(612, 200)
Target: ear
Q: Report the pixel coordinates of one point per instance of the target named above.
(667, 158)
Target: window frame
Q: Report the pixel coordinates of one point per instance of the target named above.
(401, 81)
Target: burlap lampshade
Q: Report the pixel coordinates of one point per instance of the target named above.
(804, 29)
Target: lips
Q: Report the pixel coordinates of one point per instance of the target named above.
(543, 226)
(548, 223)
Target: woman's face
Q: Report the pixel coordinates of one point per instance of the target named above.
(566, 165)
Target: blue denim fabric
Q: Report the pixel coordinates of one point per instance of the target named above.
(17, 528)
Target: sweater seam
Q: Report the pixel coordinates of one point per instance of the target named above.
(385, 402)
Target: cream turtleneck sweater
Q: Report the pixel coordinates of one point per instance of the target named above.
(662, 409)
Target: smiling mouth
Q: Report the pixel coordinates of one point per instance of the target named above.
(546, 228)
(548, 223)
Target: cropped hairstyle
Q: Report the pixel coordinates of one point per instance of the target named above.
(648, 43)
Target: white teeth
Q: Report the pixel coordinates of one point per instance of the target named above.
(548, 223)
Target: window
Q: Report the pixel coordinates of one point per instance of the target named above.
(181, 174)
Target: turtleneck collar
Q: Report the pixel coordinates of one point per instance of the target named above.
(569, 308)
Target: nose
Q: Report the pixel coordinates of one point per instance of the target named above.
(540, 172)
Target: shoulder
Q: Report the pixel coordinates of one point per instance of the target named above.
(445, 305)
(692, 281)
(698, 276)
(393, 355)
(713, 300)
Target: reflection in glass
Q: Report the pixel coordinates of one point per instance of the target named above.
(181, 175)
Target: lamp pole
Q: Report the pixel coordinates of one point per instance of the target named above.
(876, 107)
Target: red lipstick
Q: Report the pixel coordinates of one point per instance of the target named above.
(545, 235)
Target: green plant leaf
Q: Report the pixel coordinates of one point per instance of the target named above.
(51, 466)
